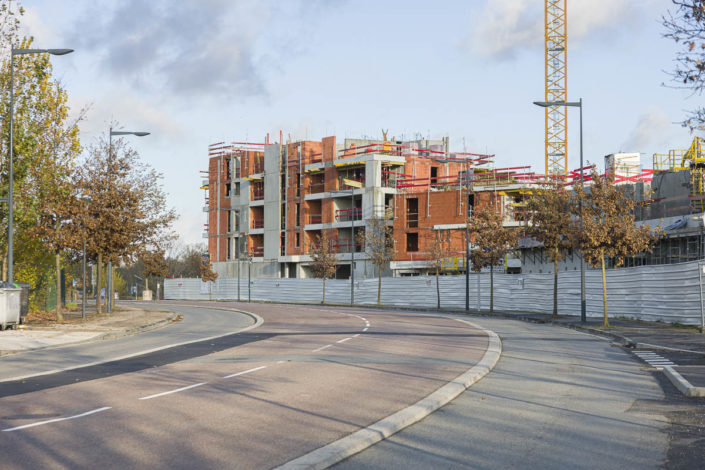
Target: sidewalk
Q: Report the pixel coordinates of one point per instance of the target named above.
(678, 351)
(121, 322)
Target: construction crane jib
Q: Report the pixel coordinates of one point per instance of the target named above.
(556, 78)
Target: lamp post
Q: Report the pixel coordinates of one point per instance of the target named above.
(109, 296)
(86, 200)
(249, 277)
(575, 104)
(11, 183)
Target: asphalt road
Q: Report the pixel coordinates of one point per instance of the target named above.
(196, 324)
(306, 377)
(557, 399)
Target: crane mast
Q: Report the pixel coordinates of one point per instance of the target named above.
(556, 78)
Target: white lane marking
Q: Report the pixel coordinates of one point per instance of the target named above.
(173, 391)
(244, 372)
(364, 329)
(355, 336)
(322, 348)
(654, 359)
(343, 340)
(280, 362)
(40, 423)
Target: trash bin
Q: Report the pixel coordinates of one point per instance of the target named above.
(24, 300)
(9, 307)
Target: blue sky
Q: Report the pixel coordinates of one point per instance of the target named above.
(194, 72)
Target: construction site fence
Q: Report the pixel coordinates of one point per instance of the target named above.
(668, 293)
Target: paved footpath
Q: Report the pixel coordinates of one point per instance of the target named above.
(122, 321)
(665, 347)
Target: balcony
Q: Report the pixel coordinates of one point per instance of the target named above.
(257, 223)
(348, 215)
(257, 193)
(315, 219)
(345, 245)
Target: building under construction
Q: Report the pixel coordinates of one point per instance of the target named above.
(267, 203)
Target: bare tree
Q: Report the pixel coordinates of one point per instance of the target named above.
(552, 224)
(438, 252)
(323, 261)
(378, 241)
(608, 227)
(492, 242)
(686, 26)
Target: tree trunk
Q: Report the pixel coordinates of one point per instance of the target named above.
(555, 285)
(99, 280)
(324, 291)
(605, 323)
(59, 316)
(438, 290)
(491, 288)
(379, 284)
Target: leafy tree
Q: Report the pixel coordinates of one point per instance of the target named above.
(46, 146)
(378, 240)
(155, 264)
(127, 211)
(686, 26)
(323, 261)
(552, 224)
(208, 275)
(492, 241)
(438, 252)
(608, 227)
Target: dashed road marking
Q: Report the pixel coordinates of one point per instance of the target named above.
(343, 340)
(55, 420)
(173, 391)
(322, 348)
(653, 359)
(245, 372)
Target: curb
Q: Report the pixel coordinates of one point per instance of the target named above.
(138, 329)
(347, 446)
(258, 322)
(682, 384)
(105, 336)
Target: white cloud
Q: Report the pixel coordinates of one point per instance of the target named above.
(652, 130)
(142, 115)
(506, 27)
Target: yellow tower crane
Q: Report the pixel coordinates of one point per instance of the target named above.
(556, 78)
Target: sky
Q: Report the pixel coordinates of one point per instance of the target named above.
(195, 72)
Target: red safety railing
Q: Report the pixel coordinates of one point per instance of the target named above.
(342, 215)
(412, 219)
(258, 251)
(345, 245)
(257, 223)
(316, 188)
(257, 193)
(315, 219)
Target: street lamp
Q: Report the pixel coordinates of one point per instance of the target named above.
(109, 299)
(11, 184)
(575, 104)
(86, 200)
